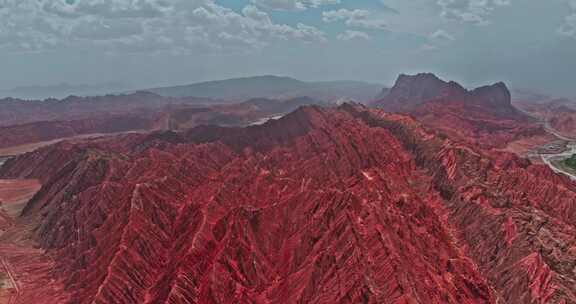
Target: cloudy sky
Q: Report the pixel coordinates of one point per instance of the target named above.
(528, 43)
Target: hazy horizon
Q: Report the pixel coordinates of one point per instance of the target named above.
(153, 43)
(63, 90)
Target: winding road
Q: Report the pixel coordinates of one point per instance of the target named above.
(549, 158)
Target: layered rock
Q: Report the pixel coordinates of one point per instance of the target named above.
(17, 135)
(558, 114)
(483, 116)
(346, 205)
(76, 116)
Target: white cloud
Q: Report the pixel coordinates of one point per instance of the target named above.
(440, 35)
(569, 26)
(353, 35)
(355, 18)
(141, 25)
(470, 11)
(292, 5)
(436, 40)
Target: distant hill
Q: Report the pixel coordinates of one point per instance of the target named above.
(62, 90)
(238, 89)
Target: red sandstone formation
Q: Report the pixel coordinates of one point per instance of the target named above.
(17, 111)
(564, 122)
(343, 205)
(25, 269)
(484, 115)
(240, 114)
(137, 112)
(560, 115)
(17, 135)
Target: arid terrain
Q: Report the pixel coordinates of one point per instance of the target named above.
(433, 193)
(287, 152)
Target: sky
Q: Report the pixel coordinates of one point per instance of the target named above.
(147, 43)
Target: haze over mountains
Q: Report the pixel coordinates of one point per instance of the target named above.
(274, 87)
(414, 196)
(484, 114)
(287, 152)
(63, 90)
(231, 90)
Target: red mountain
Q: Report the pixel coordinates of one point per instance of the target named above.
(137, 112)
(484, 115)
(564, 121)
(411, 91)
(559, 114)
(35, 132)
(343, 205)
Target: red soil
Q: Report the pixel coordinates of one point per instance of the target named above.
(346, 205)
(25, 270)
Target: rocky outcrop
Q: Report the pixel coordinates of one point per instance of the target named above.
(410, 91)
(496, 97)
(344, 205)
(483, 116)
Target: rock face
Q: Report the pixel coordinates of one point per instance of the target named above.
(411, 91)
(341, 205)
(497, 98)
(483, 116)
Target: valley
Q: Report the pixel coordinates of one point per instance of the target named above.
(554, 151)
(24, 267)
(557, 162)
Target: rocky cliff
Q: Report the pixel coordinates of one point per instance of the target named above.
(483, 116)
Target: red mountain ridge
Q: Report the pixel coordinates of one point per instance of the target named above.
(325, 205)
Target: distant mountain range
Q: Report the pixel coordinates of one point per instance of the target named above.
(277, 87)
(229, 90)
(63, 90)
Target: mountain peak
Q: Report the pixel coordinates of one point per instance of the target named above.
(422, 78)
(411, 90)
(495, 94)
